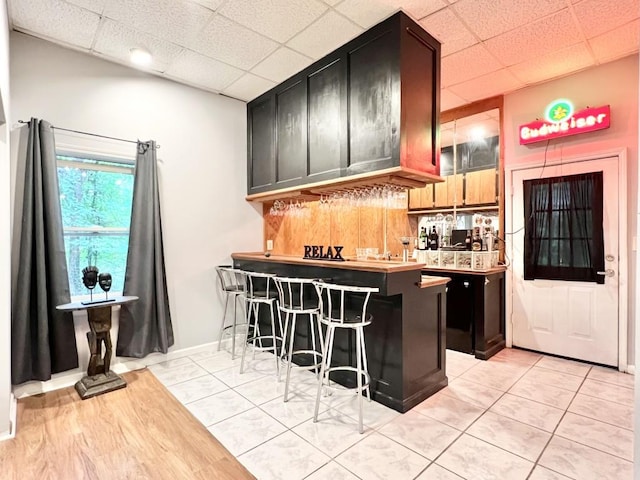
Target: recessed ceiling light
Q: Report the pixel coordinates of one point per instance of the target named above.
(140, 56)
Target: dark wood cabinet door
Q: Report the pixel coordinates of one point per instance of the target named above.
(291, 134)
(374, 102)
(420, 101)
(261, 145)
(327, 120)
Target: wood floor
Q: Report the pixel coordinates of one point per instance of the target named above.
(139, 432)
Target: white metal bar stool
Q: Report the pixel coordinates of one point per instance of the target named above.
(335, 301)
(260, 291)
(297, 296)
(232, 287)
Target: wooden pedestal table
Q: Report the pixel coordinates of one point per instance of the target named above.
(99, 379)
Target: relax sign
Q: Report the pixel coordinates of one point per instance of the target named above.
(562, 122)
(318, 252)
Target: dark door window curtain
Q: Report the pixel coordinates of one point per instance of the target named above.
(564, 237)
(43, 339)
(145, 326)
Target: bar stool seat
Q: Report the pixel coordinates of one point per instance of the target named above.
(232, 287)
(297, 296)
(259, 290)
(336, 312)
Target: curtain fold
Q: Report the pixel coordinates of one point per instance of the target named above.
(145, 325)
(43, 339)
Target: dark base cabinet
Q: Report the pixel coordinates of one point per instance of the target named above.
(475, 312)
(405, 343)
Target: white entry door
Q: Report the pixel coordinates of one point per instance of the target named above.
(573, 319)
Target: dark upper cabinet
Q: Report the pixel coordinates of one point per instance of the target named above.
(261, 173)
(370, 105)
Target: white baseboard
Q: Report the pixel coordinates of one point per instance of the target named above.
(13, 412)
(631, 369)
(122, 365)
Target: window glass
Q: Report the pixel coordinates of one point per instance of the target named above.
(95, 198)
(563, 232)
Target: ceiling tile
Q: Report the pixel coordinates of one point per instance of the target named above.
(248, 87)
(277, 19)
(494, 83)
(447, 27)
(204, 72)
(467, 64)
(332, 2)
(116, 40)
(55, 20)
(331, 31)
(488, 18)
(365, 12)
(231, 43)
(449, 100)
(173, 20)
(96, 6)
(281, 64)
(417, 8)
(600, 16)
(555, 64)
(211, 4)
(618, 43)
(535, 39)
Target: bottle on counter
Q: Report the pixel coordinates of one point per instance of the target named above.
(468, 241)
(433, 239)
(476, 243)
(422, 239)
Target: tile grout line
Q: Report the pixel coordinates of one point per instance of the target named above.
(332, 458)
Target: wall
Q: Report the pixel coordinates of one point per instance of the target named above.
(614, 84)
(202, 163)
(339, 223)
(5, 229)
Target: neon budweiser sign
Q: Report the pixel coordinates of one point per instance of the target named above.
(562, 122)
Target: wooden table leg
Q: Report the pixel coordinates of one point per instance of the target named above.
(99, 379)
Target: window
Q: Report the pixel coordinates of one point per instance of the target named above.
(95, 198)
(564, 237)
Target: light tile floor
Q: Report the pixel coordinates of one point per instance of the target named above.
(519, 415)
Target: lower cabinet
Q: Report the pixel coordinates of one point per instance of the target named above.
(475, 311)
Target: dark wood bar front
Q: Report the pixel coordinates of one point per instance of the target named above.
(405, 343)
(475, 310)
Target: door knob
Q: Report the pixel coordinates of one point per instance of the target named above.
(609, 272)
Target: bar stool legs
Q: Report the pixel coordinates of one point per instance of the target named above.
(232, 286)
(253, 309)
(314, 352)
(259, 291)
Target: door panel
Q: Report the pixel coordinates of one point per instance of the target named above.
(572, 319)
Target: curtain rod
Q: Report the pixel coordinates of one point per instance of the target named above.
(92, 134)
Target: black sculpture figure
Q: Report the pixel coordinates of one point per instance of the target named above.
(90, 278)
(104, 280)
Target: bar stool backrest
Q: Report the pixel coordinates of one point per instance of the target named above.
(258, 285)
(335, 300)
(231, 279)
(291, 295)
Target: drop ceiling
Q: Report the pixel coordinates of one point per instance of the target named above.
(241, 48)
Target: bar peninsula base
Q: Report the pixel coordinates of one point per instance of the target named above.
(405, 342)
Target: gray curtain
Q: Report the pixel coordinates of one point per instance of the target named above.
(145, 325)
(42, 338)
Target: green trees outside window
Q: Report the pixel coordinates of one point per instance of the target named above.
(95, 197)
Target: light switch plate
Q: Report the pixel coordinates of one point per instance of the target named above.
(269, 244)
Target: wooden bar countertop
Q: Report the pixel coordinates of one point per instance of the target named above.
(428, 281)
(489, 271)
(383, 266)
